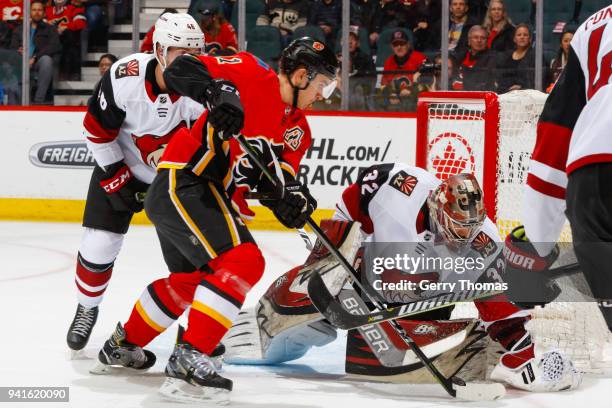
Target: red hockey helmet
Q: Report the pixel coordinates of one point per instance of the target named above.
(456, 208)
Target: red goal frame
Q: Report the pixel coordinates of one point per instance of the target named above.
(491, 136)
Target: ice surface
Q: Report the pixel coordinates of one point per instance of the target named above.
(37, 303)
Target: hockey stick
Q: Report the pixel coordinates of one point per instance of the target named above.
(334, 311)
(454, 386)
(253, 195)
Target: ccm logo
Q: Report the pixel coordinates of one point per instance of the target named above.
(111, 186)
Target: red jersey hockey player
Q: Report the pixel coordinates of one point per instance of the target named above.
(213, 259)
(129, 121)
(570, 172)
(401, 203)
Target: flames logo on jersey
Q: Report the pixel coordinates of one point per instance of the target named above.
(483, 244)
(246, 173)
(293, 137)
(404, 182)
(152, 147)
(451, 154)
(126, 69)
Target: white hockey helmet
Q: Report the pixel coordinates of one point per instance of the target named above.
(176, 30)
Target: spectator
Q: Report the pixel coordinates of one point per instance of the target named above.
(70, 20)
(219, 34)
(362, 73)
(499, 27)
(459, 25)
(44, 46)
(286, 15)
(327, 14)
(147, 42)
(11, 11)
(429, 78)
(516, 67)
(105, 62)
(384, 16)
(427, 15)
(396, 86)
(558, 63)
(478, 64)
(5, 35)
(478, 9)
(97, 24)
(361, 13)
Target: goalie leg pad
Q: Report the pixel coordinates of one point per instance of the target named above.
(450, 344)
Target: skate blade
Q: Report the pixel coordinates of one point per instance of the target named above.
(103, 369)
(178, 390)
(78, 355)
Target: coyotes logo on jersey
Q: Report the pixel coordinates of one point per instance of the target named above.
(404, 182)
(152, 147)
(484, 245)
(126, 69)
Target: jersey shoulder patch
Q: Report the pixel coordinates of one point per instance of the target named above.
(484, 244)
(403, 182)
(293, 137)
(127, 69)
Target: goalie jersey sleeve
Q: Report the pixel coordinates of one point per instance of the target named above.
(573, 130)
(387, 200)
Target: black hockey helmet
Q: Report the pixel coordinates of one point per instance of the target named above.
(315, 56)
(311, 54)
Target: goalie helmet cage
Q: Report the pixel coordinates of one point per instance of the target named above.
(492, 136)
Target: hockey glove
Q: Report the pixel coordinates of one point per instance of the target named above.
(527, 284)
(294, 203)
(226, 114)
(124, 191)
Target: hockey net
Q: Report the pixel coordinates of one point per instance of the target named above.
(492, 136)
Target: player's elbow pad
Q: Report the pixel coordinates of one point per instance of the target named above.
(188, 76)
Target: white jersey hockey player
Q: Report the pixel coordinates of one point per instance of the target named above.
(398, 203)
(570, 172)
(129, 121)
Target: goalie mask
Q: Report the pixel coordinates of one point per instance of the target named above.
(456, 209)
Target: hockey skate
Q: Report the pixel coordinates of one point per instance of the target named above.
(217, 356)
(191, 377)
(80, 329)
(118, 354)
(550, 371)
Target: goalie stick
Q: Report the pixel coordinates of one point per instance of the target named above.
(454, 386)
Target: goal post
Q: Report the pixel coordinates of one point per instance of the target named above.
(489, 135)
(492, 136)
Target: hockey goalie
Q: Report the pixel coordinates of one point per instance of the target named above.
(401, 203)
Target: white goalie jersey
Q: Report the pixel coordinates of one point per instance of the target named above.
(390, 201)
(129, 118)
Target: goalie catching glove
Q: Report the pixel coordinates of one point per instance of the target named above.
(528, 284)
(124, 191)
(294, 204)
(226, 114)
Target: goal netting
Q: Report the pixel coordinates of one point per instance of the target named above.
(493, 136)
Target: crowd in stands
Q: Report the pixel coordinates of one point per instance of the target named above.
(394, 45)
